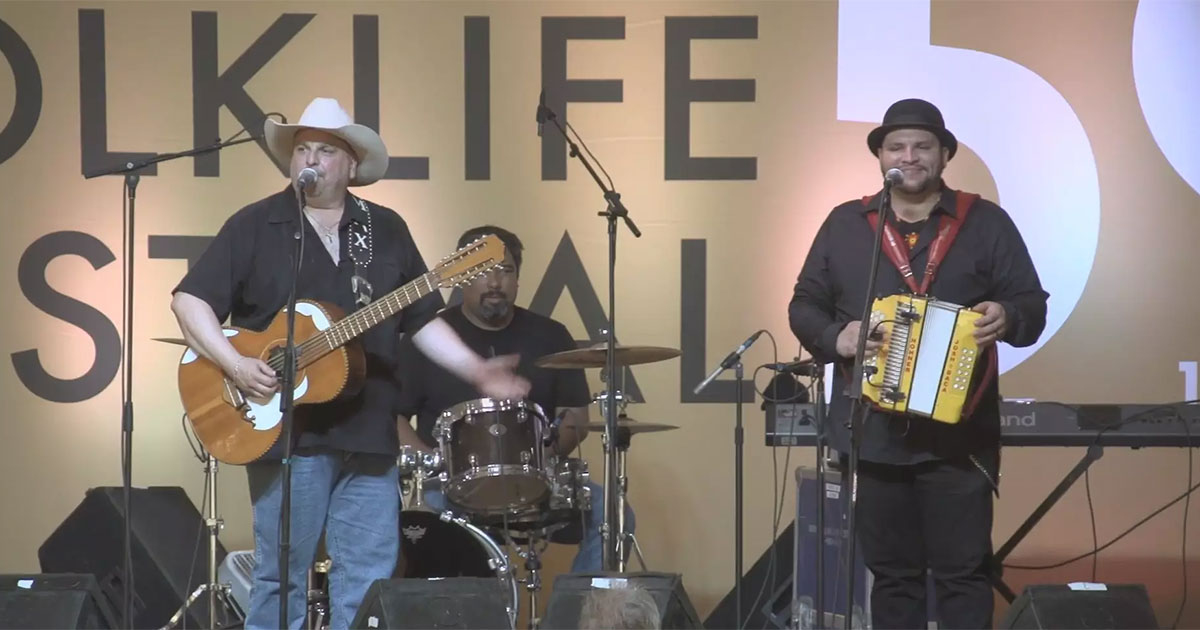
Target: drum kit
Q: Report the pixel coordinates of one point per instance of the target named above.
(490, 488)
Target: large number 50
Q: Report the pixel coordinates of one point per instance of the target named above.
(1018, 124)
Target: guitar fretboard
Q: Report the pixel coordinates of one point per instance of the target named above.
(364, 319)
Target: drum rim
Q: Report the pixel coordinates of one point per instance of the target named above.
(452, 486)
(485, 405)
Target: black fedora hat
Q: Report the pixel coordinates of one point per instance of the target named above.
(912, 113)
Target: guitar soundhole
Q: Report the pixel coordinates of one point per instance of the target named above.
(275, 360)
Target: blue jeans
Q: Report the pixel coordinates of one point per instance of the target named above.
(352, 498)
(590, 557)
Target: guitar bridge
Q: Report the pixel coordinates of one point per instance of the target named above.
(237, 400)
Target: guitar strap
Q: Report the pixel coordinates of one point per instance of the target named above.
(361, 251)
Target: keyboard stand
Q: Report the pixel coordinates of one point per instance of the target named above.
(1094, 452)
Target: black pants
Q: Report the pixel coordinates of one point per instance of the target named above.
(935, 515)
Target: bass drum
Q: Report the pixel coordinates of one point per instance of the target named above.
(433, 548)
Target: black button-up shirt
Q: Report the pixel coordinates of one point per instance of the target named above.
(988, 261)
(245, 275)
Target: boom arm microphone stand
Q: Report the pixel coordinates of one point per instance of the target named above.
(859, 408)
(734, 360)
(614, 210)
(132, 170)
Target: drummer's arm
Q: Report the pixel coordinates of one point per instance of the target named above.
(493, 377)
(572, 430)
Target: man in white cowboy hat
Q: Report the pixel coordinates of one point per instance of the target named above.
(924, 487)
(344, 473)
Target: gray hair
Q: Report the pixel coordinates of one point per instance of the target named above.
(624, 608)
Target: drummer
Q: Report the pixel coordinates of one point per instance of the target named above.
(490, 323)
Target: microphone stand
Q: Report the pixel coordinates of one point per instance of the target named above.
(131, 170)
(287, 407)
(734, 360)
(614, 210)
(859, 408)
(818, 382)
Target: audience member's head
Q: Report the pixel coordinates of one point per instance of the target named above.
(624, 608)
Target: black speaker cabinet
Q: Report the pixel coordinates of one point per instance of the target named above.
(570, 590)
(473, 603)
(53, 602)
(1118, 607)
(169, 547)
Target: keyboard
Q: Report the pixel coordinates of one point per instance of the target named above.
(1039, 423)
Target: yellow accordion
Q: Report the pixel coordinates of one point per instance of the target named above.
(925, 366)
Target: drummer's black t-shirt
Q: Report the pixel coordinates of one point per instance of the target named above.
(426, 389)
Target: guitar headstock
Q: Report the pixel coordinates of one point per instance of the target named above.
(470, 262)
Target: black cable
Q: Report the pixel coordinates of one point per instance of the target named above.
(282, 118)
(197, 449)
(1187, 504)
(741, 623)
(589, 152)
(187, 589)
(1087, 486)
(1110, 543)
(1120, 423)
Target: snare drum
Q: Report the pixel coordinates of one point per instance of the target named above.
(493, 455)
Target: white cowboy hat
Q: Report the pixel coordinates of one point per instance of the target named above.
(328, 116)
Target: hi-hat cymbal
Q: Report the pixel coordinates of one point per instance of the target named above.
(172, 340)
(625, 422)
(597, 357)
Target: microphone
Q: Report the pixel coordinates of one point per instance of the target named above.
(307, 177)
(728, 362)
(541, 112)
(893, 176)
(805, 367)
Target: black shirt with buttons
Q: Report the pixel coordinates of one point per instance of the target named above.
(245, 273)
(988, 261)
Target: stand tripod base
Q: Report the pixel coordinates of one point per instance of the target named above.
(222, 594)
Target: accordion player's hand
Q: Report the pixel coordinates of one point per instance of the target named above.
(991, 327)
(847, 340)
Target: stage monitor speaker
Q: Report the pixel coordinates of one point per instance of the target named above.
(53, 602)
(566, 600)
(1117, 607)
(169, 546)
(412, 603)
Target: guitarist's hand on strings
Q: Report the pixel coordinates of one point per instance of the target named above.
(495, 378)
(253, 377)
(991, 327)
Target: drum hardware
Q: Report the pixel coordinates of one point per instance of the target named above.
(318, 595)
(624, 538)
(498, 562)
(216, 591)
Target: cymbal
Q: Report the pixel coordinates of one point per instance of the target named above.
(172, 340)
(625, 422)
(597, 356)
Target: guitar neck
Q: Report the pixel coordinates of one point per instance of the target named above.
(362, 320)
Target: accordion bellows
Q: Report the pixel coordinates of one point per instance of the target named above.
(925, 366)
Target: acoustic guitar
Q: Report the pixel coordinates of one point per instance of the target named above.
(238, 429)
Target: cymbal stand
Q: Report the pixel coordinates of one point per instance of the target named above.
(216, 591)
(533, 579)
(624, 537)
